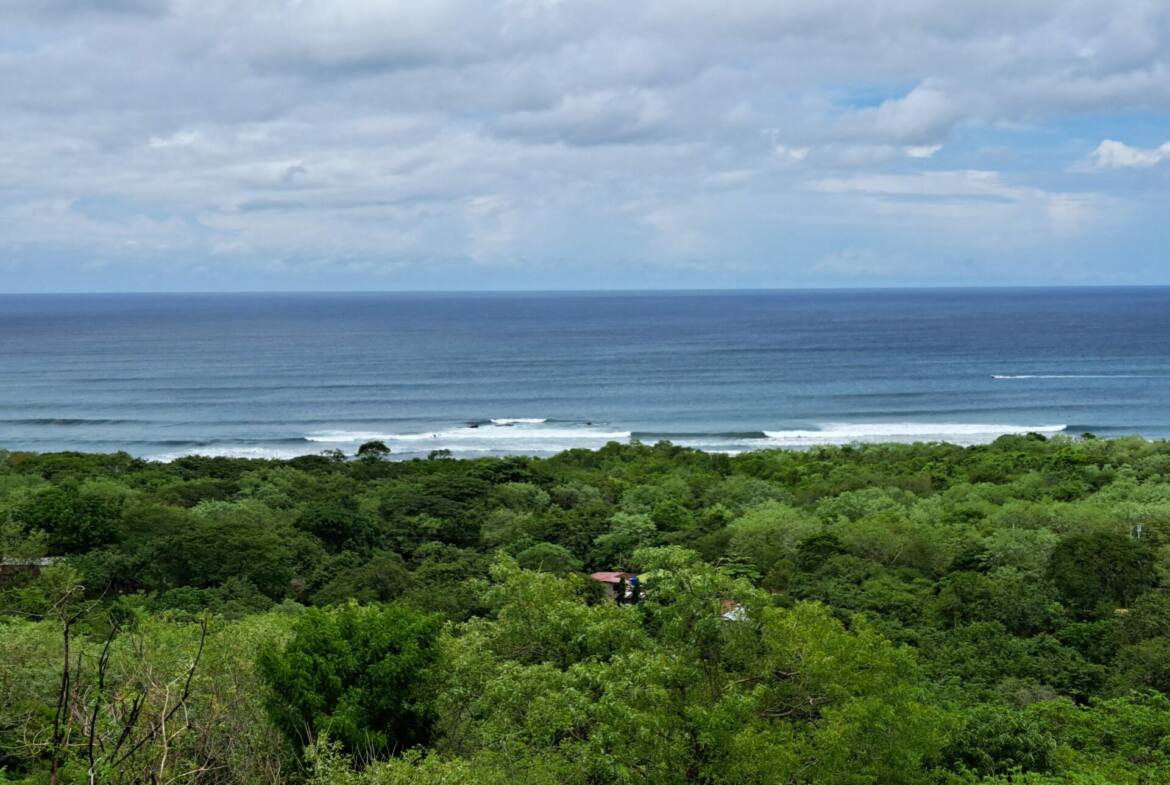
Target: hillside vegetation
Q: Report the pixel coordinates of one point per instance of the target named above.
(899, 614)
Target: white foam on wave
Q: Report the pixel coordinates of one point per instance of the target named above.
(957, 433)
(1002, 376)
(535, 438)
(513, 436)
(257, 453)
(345, 437)
(469, 434)
(518, 420)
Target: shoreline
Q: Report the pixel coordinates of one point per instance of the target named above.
(277, 454)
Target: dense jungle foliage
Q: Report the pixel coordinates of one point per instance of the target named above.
(898, 614)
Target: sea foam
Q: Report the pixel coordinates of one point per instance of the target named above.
(527, 435)
(957, 433)
(537, 438)
(257, 453)
(1072, 376)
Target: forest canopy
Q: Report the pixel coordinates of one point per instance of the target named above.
(887, 614)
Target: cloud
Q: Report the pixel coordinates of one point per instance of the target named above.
(922, 150)
(973, 185)
(73, 8)
(1118, 155)
(920, 118)
(790, 154)
(177, 139)
(982, 203)
(855, 262)
(401, 135)
(603, 117)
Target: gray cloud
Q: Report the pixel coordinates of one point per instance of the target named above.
(73, 9)
(402, 132)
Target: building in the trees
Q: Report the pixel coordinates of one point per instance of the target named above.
(12, 569)
(623, 586)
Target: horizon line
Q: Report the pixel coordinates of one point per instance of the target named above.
(615, 290)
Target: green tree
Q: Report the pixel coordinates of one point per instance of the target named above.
(337, 525)
(768, 533)
(359, 674)
(382, 578)
(1149, 617)
(1143, 666)
(373, 451)
(998, 740)
(231, 540)
(816, 549)
(548, 557)
(1101, 568)
(74, 521)
(614, 550)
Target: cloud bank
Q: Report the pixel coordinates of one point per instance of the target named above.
(157, 144)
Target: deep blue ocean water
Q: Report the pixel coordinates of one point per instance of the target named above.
(288, 374)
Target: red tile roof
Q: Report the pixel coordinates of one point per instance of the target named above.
(612, 577)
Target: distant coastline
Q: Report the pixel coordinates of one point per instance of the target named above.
(316, 450)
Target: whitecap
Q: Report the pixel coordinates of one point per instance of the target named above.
(516, 436)
(346, 437)
(956, 433)
(1071, 376)
(256, 453)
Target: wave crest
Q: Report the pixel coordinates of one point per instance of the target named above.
(1002, 376)
(537, 438)
(956, 433)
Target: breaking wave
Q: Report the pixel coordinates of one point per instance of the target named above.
(538, 437)
(502, 436)
(1002, 376)
(256, 453)
(956, 433)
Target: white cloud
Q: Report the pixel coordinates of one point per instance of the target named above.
(790, 154)
(177, 139)
(921, 117)
(983, 203)
(967, 184)
(601, 117)
(371, 131)
(922, 151)
(1069, 214)
(1111, 154)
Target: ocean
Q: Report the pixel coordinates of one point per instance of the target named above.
(279, 375)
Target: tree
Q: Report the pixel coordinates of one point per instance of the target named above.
(1144, 665)
(769, 533)
(1101, 568)
(547, 557)
(231, 540)
(359, 674)
(373, 451)
(669, 691)
(1148, 618)
(998, 740)
(337, 525)
(614, 550)
(816, 549)
(75, 522)
(380, 579)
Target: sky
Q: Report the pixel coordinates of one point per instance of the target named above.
(207, 145)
